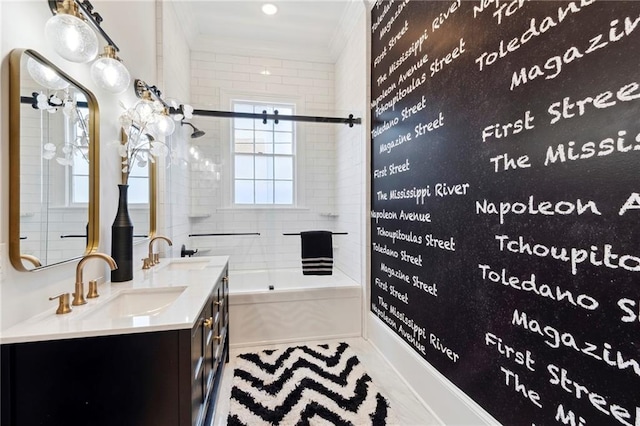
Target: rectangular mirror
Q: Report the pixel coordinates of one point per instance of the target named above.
(54, 164)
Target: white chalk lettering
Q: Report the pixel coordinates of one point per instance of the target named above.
(409, 111)
(415, 217)
(502, 162)
(560, 377)
(431, 289)
(431, 241)
(535, 207)
(440, 347)
(566, 109)
(509, 352)
(392, 19)
(568, 417)
(385, 250)
(629, 307)
(513, 379)
(424, 128)
(375, 215)
(531, 285)
(535, 28)
(399, 235)
(379, 130)
(446, 190)
(574, 256)
(632, 203)
(395, 273)
(439, 64)
(499, 131)
(442, 17)
(387, 147)
(562, 153)
(418, 194)
(556, 339)
(554, 65)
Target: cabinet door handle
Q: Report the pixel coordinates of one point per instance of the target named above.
(208, 322)
(218, 302)
(225, 279)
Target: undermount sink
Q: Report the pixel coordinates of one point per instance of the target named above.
(137, 303)
(187, 264)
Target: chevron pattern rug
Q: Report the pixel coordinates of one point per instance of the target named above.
(305, 385)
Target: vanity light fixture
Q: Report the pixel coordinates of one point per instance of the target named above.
(45, 76)
(71, 32)
(70, 35)
(164, 125)
(269, 9)
(109, 73)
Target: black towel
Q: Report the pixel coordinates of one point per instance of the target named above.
(317, 253)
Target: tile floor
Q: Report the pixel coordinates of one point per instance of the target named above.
(408, 411)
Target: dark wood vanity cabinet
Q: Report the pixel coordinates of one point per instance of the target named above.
(144, 379)
(210, 351)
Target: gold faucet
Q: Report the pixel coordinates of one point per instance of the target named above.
(31, 259)
(154, 259)
(63, 303)
(78, 296)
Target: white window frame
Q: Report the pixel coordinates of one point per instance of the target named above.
(227, 95)
(275, 105)
(71, 133)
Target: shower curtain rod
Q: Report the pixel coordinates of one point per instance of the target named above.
(227, 234)
(333, 233)
(275, 117)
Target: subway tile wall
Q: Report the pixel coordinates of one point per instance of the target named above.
(350, 169)
(216, 80)
(174, 69)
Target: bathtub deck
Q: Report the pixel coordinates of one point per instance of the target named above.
(297, 309)
(254, 281)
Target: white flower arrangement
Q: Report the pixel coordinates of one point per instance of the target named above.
(139, 146)
(80, 143)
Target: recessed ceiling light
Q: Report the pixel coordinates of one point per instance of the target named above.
(269, 9)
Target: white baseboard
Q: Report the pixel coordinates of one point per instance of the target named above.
(445, 400)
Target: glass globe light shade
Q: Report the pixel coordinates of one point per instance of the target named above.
(45, 76)
(71, 38)
(110, 74)
(163, 126)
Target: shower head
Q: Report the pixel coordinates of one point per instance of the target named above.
(196, 132)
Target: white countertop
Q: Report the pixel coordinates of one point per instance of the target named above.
(169, 274)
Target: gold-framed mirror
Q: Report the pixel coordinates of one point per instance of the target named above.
(54, 165)
(142, 192)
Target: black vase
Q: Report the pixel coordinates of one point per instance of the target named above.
(122, 239)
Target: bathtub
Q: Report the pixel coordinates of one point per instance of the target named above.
(283, 305)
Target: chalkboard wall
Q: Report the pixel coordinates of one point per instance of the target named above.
(505, 214)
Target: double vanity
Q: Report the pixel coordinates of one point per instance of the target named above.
(145, 352)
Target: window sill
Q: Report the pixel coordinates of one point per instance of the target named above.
(263, 208)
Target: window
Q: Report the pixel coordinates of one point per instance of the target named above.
(77, 133)
(79, 178)
(263, 156)
(139, 182)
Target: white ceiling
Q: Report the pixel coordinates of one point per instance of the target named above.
(313, 30)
